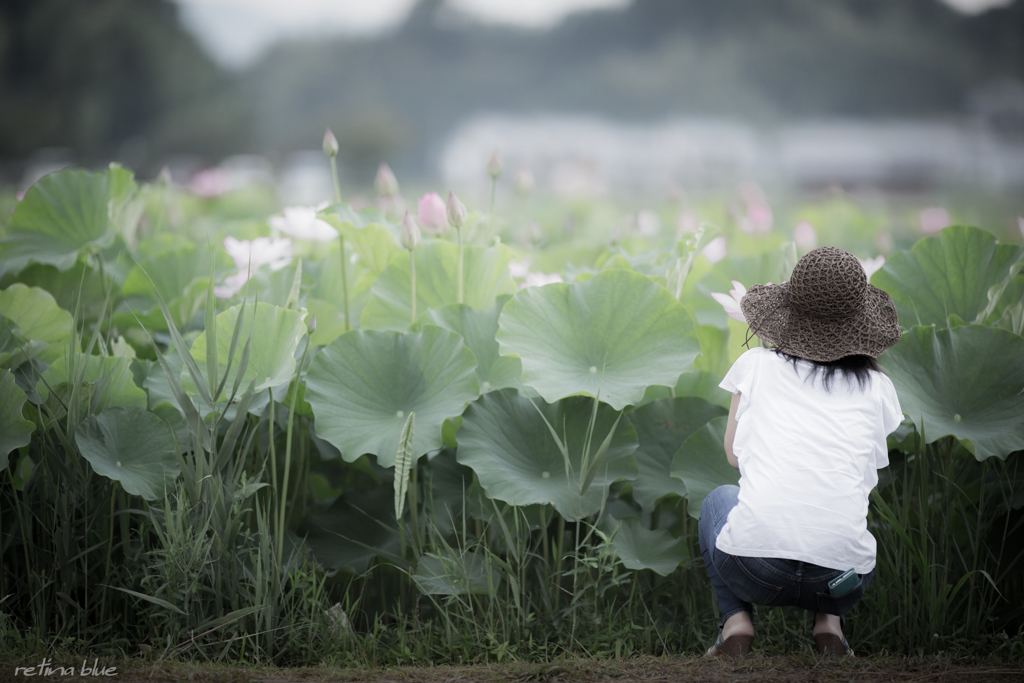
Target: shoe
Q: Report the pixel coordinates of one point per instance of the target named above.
(829, 644)
(733, 646)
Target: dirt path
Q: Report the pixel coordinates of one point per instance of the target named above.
(802, 668)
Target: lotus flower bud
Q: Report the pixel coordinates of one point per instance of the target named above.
(456, 211)
(494, 165)
(330, 144)
(311, 327)
(386, 182)
(410, 236)
(432, 214)
(524, 182)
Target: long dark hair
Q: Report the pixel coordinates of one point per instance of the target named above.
(850, 367)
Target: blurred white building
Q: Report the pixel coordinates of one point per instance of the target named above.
(588, 156)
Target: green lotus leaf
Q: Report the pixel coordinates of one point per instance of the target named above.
(641, 548)
(1009, 309)
(966, 381)
(132, 446)
(948, 274)
(454, 572)
(172, 269)
(356, 528)
(106, 383)
(38, 317)
(15, 430)
(375, 244)
(662, 426)
(364, 384)
(702, 466)
(62, 214)
(324, 277)
(80, 285)
(276, 333)
(330, 321)
(486, 277)
(505, 440)
(613, 335)
(697, 383)
(477, 329)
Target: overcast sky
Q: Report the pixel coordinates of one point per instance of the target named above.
(236, 32)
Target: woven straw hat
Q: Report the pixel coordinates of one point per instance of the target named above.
(825, 311)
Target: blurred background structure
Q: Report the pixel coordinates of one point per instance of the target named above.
(591, 96)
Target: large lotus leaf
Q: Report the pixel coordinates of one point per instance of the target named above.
(132, 446)
(485, 276)
(506, 442)
(702, 466)
(1009, 309)
(15, 430)
(276, 333)
(641, 548)
(478, 329)
(375, 244)
(107, 381)
(697, 383)
(662, 426)
(38, 317)
(357, 527)
(324, 278)
(615, 335)
(171, 271)
(80, 285)
(62, 214)
(950, 273)
(455, 573)
(364, 384)
(966, 381)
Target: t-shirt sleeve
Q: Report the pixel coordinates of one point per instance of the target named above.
(740, 378)
(892, 414)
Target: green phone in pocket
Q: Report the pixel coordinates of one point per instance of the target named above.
(844, 583)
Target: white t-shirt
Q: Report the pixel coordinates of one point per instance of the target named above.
(808, 459)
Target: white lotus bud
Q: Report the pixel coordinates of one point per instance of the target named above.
(494, 165)
(456, 211)
(330, 144)
(386, 182)
(311, 326)
(410, 236)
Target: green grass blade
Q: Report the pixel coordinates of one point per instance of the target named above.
(211, 337)
(599, 457)
(150, 598)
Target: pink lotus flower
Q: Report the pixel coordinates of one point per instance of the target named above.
(494, 165)
(872, 265)
(731, 301)
(261, 251)
(715, 250)
(456, 211)
(540, 279)
(386, 183)
(410, 234)
(933, 220)
(301, 222)
(209, 183)
(805, 236)
(432, 214)
(232, 285)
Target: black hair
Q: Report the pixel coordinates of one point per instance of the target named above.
(857, 367)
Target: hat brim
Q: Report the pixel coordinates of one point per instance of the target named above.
(868, 333)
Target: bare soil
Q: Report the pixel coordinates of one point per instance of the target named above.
(803, 668)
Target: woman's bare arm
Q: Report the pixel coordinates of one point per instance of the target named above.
(730, 430)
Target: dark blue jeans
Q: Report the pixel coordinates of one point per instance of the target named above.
(742, 581)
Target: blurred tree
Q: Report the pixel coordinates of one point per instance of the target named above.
(107, 78)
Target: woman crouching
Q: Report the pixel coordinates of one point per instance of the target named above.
(807, 429)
